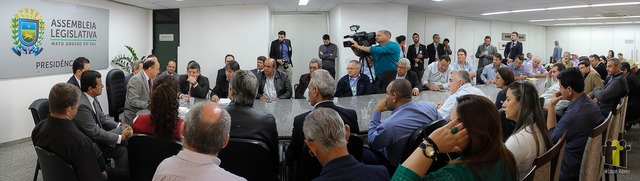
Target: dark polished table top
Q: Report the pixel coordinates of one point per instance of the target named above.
(285, 110)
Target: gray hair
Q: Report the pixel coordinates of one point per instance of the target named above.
(405, 61)
(325, 83)
(358, 65)
(244, 87)
(567, 52)
(616, 62)
(204, 134)
(325, 127)
(316, 60)
(136, 64)
(461, 75)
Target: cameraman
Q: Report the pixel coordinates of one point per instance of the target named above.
(385, 55)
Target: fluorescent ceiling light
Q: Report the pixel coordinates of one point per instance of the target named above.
(568, 7)
(569, 19)
(564, 24)
(436, 0)
(528, 10)
(303, 2)
(541, 20)
(590, 23)
(494, 13)
(561, 7)
(612, 23)
(615, 4)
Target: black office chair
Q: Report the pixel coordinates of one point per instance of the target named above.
(39, 111)
(308, 167)
(116, 93)
(55, 168)
(248, 158)
(417, 137)
(146, 153)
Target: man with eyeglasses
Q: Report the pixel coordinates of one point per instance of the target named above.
(402, 72)
(552, 85)
(301, 88)
(354, 83)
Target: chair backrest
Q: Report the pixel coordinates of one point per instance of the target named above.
(418, 135)
(617, 124)
(248, 158)
(547, 163)
(116, 92)
(592, 159)
(39, 110)
(54, 167)
(308, 167)
(530, 174)
(146, 153)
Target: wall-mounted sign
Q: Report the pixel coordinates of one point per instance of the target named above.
(165, 37)
(44, 37)
(507, 37)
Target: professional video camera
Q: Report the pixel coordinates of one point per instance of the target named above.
(362, 38)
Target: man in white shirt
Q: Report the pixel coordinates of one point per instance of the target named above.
(437, 74)
(552, 85)
(206, 132)
(459, 85)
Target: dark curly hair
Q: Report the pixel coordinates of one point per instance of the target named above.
(163, 106)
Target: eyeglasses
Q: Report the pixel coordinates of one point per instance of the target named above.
(351, 68)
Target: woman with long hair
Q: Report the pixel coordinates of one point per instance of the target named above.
(475, 130)
(530, 138)
(163, 121)
(504, 77)
(610, 55)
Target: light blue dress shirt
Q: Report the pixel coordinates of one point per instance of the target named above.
(489, 72)
(451, 102)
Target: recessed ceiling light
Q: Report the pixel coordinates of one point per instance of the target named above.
(565, 24)
(569, 19)
(494, 13)
(563, 7)
(615, 4)
(527, 10)
(541, 20)
(179, 0)
(437, 0)
(568, 7)
(303, 2)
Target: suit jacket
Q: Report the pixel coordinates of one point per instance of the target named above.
(275, 53)
(634, 97)
(63, 138)
(248, 123)
(609, 96)
(255, 72)
(431, 51)
(72, 80)
(601, 68)
(516, 50)
(364, 87)
(199, 91)
(592, 81)
(412, 54)
(137, 96)
(222, 85)
(89, 123)
(380, 86)
(348, 168)
(348, 116)
(303, 83)
(281, 82)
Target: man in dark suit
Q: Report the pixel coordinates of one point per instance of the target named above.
(321, 90)
(259, 66)
(274, 84)
(314, 65)
(60, 136)
(246, 121)
(280, 50)
(354, 83)
(435, 50)
(633, 83)
(402, 72)
(106, 133)
(193, 84)
(614, 89)
(139, 89)
(513, 48)
(416, 55)
(221, 89)
(599, 66)
(80, 65)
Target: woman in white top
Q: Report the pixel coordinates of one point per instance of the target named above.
(530, 138)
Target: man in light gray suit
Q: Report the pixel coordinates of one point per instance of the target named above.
(139, 89)
(90, 119)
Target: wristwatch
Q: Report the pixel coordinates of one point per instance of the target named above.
(428, 150)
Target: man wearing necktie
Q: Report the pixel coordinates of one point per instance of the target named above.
(513, 48)
(193, 84)
(106, 133)
(139, 90)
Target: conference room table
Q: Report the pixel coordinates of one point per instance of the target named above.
(285, 110)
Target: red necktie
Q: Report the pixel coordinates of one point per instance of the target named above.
(190, 88)
(149, 83)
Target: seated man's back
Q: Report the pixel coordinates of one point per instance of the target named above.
(248, 123)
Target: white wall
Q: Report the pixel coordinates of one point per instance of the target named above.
(370, 19)
(586, 40)
(127, 26)
(305, 31)
(207, 34)
(468, 34)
